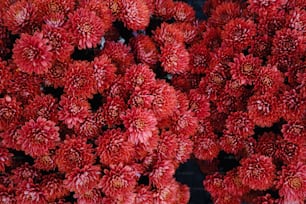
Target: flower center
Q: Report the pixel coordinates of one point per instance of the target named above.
(295, 183)
(247, 68)
(30, 53)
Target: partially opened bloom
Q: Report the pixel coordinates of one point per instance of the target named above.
(82, 180)
(140, 124)
(38, 137)
(32, 54)
(257, 172)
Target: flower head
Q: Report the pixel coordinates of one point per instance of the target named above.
(38, 137)
(32, 54)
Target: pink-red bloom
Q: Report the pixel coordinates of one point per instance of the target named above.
(32, 53)
(38, 137)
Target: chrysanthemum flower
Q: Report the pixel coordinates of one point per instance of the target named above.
(21, 17)
(134, 14)
(295, 132)
(268, 80)
(59, 39)
(25, 172)
(32, 53)
(164, 9)
(145, 49)
(139, 76)
(162, 173)
(293, 105)
(74, 153)
(289, 152)
(206, 147)
(5, 158)
(112, 109)
(297, 19)
(233, 184)
(90, 128)
(263, 110)
(254, 167)
(86, 27)
(185, 148)
(140, 124)
(73, 111)
(118, 180)
(82, 180)
(200, 58)
(143, 195)
(168, 193)
(7, 196)
(38, 137)
(167, 146)
(113, 147)
(168, 34)
(223, 13)
(267, 145)
(175, 58)
(261, 46)
(43, 106)
(55, 75)
(45, 162)
(231, 143)
(93, 196)
(244, 68)
(30, 193)
(164, 99)
(212, 38)
(10, 111)
(288, 42)
(53, 187)
(120, 55)
(104, 72)
(5, 74)
(292, 183)
(238, 33)
(79, 80)
(199, 104)
(183, 12)
(266, 5)
(214, 184)
(240, 124)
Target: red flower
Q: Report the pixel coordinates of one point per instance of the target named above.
(206, 147)
(244, 68)
(30, 193)
(223, 13)
(292, 183)
(25, 172)
(140, 123)
(45, 162)
(145, 49)
(175, 58)
(59, 39)
(289, 152)
(86, 27)
(288, 42)
(143, 195)
(297, 19)
(168, 146)
(53, 187)
(214, 184)
(82, 180)
(267, 145)
(266, 5)
(295, 132)
(263, 110)
(183, 12)
(5, 158)
(38, 137)
(200, 58)
(168, 193)
(114, 148)
(254, 167)
(162, 173)
(184, 150)
(90, 128)
(168, 34)
(10, 112)
(134, 14)
(55, 75)
(73, 111)
(21, 16)
(164, 9)
(238, 33)
(32, 54)
(43, 106)
(104, 72)
(185, 123)
(231, 143)
(74, 153)
(293, 105)
(79, 80)
(93, 196)
(269, 80)
(140, 76)
(118, 180)
(233, 184)
(240, 124)
(190, 31)
(112, 109)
